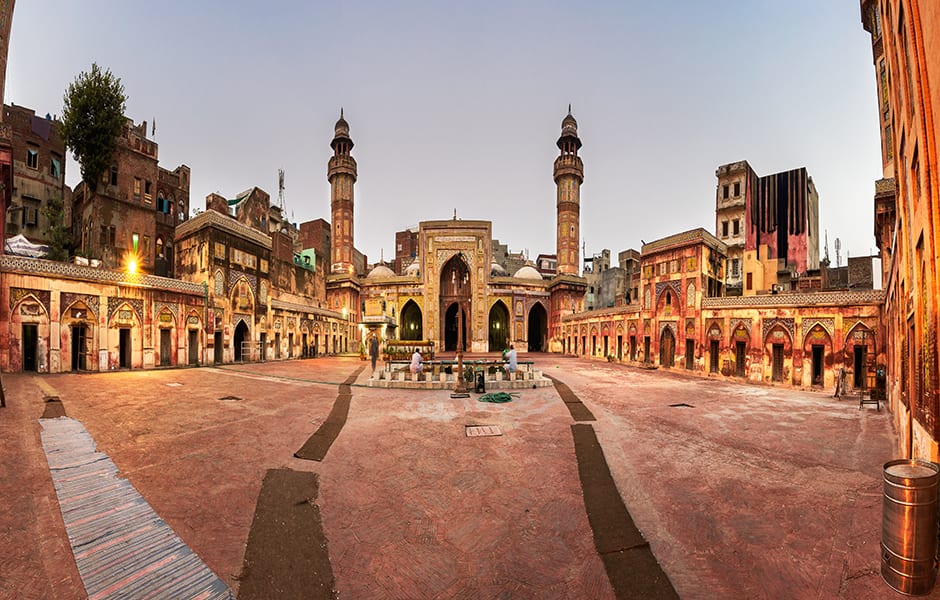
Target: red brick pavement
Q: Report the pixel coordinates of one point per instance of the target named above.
(755, 492)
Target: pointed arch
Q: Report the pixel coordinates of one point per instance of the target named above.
(412, 327)
(498, 326)
(538, 328)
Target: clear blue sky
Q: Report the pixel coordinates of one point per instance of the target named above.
(458, 104)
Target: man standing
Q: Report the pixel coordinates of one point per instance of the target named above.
(374, 350)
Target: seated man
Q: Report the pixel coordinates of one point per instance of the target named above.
(511, 358)
(416, 362)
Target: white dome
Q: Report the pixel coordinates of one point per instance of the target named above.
(380, 272)
(497, 269)
(413, 270)
(528, 272)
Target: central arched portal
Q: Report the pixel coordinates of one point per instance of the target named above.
(241, 335)
(411, 322)
(499, 327)
(538, 328)
(455, 290)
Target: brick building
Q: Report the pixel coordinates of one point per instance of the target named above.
(135, 208)
(38, 155)
(778, 211)
(6, 133)
(904, 38)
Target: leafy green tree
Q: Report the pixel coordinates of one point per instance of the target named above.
(92, 119)
(57, 232)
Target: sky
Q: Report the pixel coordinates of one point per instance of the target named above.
(458, 105)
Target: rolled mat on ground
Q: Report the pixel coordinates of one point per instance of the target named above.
(498, 397)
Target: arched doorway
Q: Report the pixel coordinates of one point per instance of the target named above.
(667, 348)
(538, 328)
(241, 335)
(411, 322)
(455, 288)
(450, 329)
(499, 327)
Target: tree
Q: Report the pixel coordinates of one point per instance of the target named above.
(92, 119)
(57, 232)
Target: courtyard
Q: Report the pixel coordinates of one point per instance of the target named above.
(741, 491)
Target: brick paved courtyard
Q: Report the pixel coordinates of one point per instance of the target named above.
(746, 492)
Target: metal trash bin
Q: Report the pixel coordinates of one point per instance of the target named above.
(909, 526)
(479, 382)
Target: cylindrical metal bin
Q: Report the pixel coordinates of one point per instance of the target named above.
(909, 526)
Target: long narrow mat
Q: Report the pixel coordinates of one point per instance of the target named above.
(579, 412)
(631, 567)
(286, 555)
(121, 546)
(318, 444)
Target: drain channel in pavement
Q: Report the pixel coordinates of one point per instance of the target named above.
(681, 405)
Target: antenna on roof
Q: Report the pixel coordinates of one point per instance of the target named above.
(280, 189)
(838, 245)
(826, 256)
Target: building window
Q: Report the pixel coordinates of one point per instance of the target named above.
(889, 143)
(735, 227)
(145, 249)
(724, 229)
(735, 267)
(750, 281)
(32, 157)
(160, 247)
(137, 188)
(55, 166)
(662, 268)
(147, 194)
(737, 189)
(724, 192)
(114, 175)
(915, 176)
(883, 74)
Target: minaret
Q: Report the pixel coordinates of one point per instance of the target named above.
(341, 174)
(569, 173)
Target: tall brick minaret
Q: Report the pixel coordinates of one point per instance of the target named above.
(569, 173)
(341, 174)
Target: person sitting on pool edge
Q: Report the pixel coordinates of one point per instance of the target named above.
(416, 362)
(511, 359)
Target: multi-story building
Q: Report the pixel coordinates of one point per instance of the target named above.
(6, 134)
(38, 172)
(779, 211)
(904, 38)
(630, 264)
(135, 208)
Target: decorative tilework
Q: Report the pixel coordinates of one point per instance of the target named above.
(234, 277)
(67, 299)
(768, 324)
(115, 302)
(18, 294)
(675, 285)
(671, 325)
(735, 322)
(827, 323)
(870, 323)
(38, 266)
(173, 308)
(828, 298)
(712, 325)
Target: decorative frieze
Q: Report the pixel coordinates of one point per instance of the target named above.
(768, 324)
(67, 299)
(19, 294)
(115, 302)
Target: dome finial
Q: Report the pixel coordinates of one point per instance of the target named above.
(341, 111)
(569, 108)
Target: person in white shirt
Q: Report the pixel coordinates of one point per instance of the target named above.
(416, 362)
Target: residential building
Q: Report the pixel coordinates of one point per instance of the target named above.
(904, 37)
(38, 172)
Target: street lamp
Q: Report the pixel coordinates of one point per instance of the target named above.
(460, 282)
